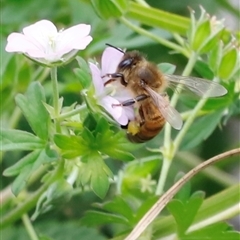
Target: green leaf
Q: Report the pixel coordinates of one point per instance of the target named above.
(93, 169)
(201, 129)
(203, 69)
(83, 73)
(19, 140)
(184, 213)
(109, 8)
(215, 57)
(33, 109)
(215, 231)
(202, 33)
(20, 181)
(145, 206)
(120, 206)
(184, 193)
(167, 68)
(25, 167)
(96, 218)
(100, 184)
(154, 17)
(115, 145)
(228, 64)
(72, 146)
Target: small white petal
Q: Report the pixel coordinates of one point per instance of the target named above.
(116, 111)
(97, 80)
(75, 37)
(110, 59)
(45, 44)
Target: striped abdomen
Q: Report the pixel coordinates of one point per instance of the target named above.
(151, 122)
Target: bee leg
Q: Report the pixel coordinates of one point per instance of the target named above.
(114, 77)
(131, 101)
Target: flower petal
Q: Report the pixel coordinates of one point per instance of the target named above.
(110, 59)
(116, 111)
(75, 37)
(18, 42)
(40, 32)
(96, 77)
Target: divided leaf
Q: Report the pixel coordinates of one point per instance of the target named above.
(19, 140)
(94, 170)
(31, 105)
(25, 167)
(184, 213)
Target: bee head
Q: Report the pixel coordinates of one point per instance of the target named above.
(130, 60)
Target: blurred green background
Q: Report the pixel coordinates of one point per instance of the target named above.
(63, 221)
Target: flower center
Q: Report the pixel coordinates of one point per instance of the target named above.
(52, 42)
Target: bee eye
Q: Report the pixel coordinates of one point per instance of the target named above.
(126, 63)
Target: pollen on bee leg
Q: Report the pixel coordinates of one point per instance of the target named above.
(133, 127)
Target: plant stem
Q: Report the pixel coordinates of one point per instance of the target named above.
(72, 113)
(31, 201)
(55, 96)
(169, 149)
(55, 90)
(158, 39)
(158, 18)
(28, 225)
(142, 2)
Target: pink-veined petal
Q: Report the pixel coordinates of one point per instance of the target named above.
(129, 112)
(76, 37)
(110, 59)
(116, 111)
(18, 42)
(40, 33)
(96, 78)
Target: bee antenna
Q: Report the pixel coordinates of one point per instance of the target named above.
(119, 49)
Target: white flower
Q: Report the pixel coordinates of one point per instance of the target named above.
(113, 94)
(42, 42)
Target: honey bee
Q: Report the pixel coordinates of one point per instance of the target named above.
(147, 84)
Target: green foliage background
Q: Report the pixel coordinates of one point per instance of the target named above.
(202, 141)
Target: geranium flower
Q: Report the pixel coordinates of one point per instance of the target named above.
(43, 43)
(113, 94)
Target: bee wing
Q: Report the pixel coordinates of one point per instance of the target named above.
(198, 85)
(171, 115)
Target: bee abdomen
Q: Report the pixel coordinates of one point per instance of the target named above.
(148, 130)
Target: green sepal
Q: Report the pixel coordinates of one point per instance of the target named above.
(228, 63)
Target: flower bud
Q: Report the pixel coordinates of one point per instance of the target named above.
(203, 34)
(229, 64)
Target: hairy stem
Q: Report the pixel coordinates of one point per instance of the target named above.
(55, 96)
